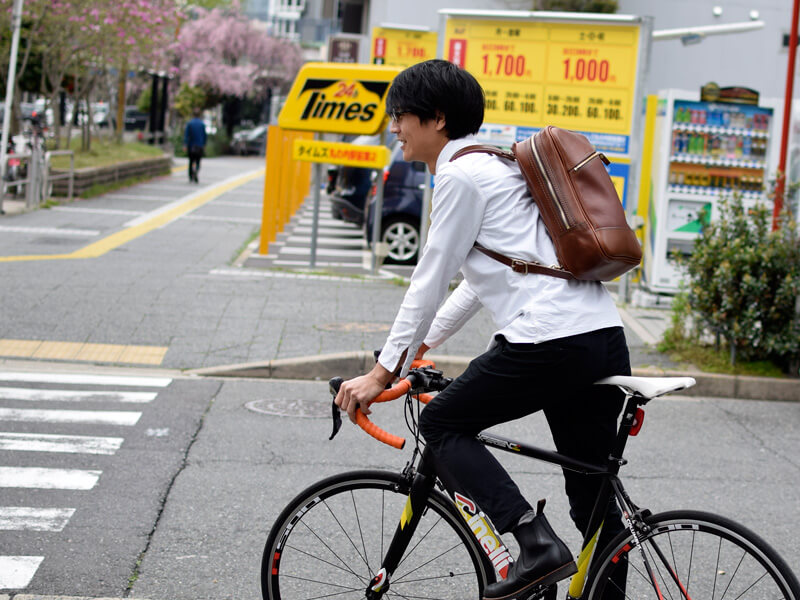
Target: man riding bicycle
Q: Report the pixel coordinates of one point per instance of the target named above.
(554, 337)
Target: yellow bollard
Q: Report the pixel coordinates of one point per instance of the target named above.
(269, 210)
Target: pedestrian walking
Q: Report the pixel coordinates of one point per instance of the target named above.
(554, 337)
(194, 143)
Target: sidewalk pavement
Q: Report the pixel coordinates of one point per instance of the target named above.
(182, 291)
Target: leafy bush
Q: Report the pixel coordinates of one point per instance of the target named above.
(744, 284)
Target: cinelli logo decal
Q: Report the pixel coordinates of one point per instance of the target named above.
(492, 546)
(343, 104)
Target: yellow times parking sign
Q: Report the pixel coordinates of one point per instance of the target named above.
(579, 76)
(338, 98)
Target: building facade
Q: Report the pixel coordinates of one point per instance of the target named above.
(754, 59)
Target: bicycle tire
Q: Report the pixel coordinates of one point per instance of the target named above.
(714, 559)
(330, 541)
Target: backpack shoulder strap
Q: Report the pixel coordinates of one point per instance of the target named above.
(517, 265)
(523, 266)
(486, 149)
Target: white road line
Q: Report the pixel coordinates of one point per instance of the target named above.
(26, 518)
(97, 211)
(354, 243)
(73, 444)
(135, 197)
(635, 326)
(51, 231)
(322, 252)
(95, 417)
(35, 395)
(48, 479)
(16, 572)
(222, 219)
(238, 204)
(85, 379)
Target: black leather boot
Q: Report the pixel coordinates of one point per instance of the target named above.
(543, 559)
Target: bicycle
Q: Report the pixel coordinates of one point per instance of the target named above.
(341, 536)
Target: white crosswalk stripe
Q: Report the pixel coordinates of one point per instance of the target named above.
(73, 444)
(47, 478)
(98, 417)
(17, 572)
(35, 395)
(80, 379)
(26, 518)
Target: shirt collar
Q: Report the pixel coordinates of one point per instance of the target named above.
(452, 147)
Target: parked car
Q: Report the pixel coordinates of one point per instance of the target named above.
(250, 141)
(135, 120)
(404, 184)
(349, 187)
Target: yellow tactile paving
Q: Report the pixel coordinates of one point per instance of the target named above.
(111, 353)
(59, 350)
(21, 348)
(101, 352)
(143, 355)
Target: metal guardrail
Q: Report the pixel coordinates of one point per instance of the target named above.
(70, 176)
(38, 181)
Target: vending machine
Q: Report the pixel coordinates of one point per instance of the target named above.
(703, 152)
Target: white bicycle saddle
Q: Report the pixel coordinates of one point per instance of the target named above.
(648, 387)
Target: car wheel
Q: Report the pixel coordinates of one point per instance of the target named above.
(401, 235)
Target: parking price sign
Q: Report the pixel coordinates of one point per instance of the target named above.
(579, 76)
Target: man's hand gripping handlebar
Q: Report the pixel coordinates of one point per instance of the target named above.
(421, 379)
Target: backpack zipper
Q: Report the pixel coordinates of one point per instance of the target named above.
(588, 158)
(553, 196)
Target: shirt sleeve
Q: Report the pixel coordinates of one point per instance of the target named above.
(459, 308)
(458, 209)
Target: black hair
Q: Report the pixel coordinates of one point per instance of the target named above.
(439, 86)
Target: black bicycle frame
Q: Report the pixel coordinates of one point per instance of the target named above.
(424, 480)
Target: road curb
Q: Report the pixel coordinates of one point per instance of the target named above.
(350, 364)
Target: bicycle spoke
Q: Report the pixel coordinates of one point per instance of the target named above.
(347, 535)
(417, 568)
(327, 562)
(360, 531)
(324, 543)
(346, 523)
(411, 550)
(691, 555)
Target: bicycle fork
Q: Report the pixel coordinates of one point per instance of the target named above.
(422, 485)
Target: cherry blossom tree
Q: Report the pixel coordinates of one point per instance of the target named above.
(83, 40)
(227, 54)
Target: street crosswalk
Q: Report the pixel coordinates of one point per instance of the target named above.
(34, 409)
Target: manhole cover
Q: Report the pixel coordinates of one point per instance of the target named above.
(309, 409)
(356, 326)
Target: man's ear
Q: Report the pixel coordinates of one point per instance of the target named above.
(441, 123)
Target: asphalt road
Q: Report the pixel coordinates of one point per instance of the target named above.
(181, 507)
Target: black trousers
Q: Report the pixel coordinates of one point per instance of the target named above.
(514, 380)
(194, 163)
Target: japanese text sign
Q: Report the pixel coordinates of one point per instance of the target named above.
(579, 76)
(402, 47)
(337, 153)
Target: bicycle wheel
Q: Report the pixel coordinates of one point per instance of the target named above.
(692, 555)
(330, 541)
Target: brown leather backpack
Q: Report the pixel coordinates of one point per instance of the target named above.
(578, 204)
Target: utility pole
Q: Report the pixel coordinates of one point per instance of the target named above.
(780, 184)
(16, 23)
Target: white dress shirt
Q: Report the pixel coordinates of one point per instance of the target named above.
(483, 198)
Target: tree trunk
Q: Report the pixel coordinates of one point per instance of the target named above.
(121, 82)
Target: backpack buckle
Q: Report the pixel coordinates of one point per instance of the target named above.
(519, 266)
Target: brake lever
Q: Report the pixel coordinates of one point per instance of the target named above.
(336, 413)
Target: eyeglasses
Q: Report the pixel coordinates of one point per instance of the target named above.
(396, 114)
